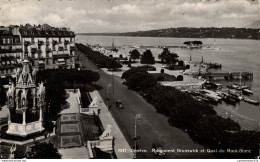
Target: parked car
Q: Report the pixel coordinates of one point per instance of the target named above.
(119, 104)
(158, 150)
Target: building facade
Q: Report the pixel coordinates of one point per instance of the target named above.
(49, 47)
(45, 47)
(10, 50)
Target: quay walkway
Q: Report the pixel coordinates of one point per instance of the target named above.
(229, 75)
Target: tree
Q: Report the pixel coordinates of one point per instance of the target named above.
(134, 54)
(132, 71)
(163, 55)
(137, 81)
(171, 59)
(180, 63)
(113, 64)
(43, 151)
(147, 58)
(2, 96)
(160, 78)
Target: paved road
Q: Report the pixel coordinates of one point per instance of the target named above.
(153, 127)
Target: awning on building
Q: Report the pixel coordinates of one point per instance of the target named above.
(61, 60)
(3, 63)
(12, 62)
(27, 39)
(42, 39)
(40, 62)
(66, 52)
(55, 39)
(60, 45)
(33, 46)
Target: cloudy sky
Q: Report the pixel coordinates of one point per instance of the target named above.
(129, 15)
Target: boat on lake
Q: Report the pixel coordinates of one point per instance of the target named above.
(247, 91)
(248, 100)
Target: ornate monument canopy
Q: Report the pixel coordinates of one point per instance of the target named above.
(25, 76)
(25, 97)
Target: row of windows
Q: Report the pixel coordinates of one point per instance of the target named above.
(7, 71)
(10, 55)
(47, 39)
(9, 40)
(60, 48)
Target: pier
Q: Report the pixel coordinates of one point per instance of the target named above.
(229, 75)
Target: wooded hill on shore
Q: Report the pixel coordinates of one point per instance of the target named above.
(186, 32)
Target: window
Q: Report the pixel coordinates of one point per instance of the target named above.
(8, 40)
(3, 40)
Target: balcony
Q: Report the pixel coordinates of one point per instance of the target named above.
(40, 43)
(48, 49)
(60, 54)
(72, 48)
(54, 42)
(66, 42)
(27, 43)
(39, 51)
(33, 50)
(11, 50)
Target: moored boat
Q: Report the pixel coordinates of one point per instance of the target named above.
(247, 91)
(248, 100)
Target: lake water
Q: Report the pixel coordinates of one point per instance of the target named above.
(236, 55)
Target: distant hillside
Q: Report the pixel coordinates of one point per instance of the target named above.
(185, 32)
(255, 24)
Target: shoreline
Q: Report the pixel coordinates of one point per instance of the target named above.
(225, 111)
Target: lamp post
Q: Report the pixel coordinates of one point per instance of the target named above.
(135, 138)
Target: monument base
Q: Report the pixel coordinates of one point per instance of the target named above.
(24, 130)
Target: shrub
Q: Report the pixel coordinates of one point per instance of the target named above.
(187, 66)
(160, 78)
(179, 78)
(162, 70)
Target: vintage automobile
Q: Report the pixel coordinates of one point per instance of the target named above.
(119, 104)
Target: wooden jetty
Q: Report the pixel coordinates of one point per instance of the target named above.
(229, 76)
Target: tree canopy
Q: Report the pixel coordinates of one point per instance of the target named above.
(137, 81)
(171, 59)
(163, 55)
(147, 57)
(134, 54)
(113, 64)
(43, 151)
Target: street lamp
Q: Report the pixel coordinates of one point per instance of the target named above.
(135, 138)
(107, 98)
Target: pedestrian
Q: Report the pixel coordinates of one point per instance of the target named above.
(45, 135)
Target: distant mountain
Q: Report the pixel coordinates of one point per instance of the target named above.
(46, 26)
(255, 24)
(186, 32)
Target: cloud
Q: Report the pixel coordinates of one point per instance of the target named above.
(126, 15)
